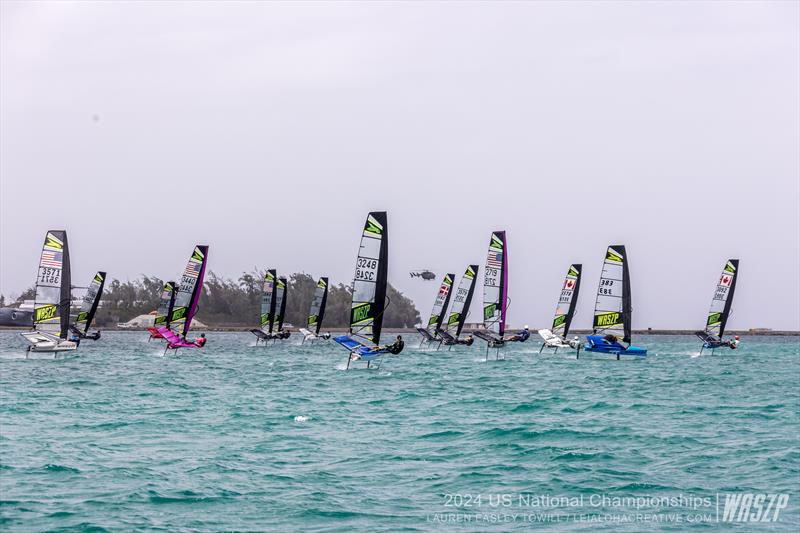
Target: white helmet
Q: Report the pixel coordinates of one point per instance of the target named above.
(526, 326)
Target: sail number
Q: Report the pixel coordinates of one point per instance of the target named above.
(606, 287)
(366, 269)
(49, 275)
(491, 276)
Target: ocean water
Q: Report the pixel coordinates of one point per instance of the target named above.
(237, 437)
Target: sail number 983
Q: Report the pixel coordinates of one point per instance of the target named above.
(606, 287)
(366, 269)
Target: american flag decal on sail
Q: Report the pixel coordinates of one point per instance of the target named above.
(495, 259)
(52, 259)
(192, 270)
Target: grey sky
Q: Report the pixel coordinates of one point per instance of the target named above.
(269, 130)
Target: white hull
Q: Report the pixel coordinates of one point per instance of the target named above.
(312, 337)
(552, 340)
(46, 343)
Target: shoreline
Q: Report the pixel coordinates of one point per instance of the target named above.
(245, 329)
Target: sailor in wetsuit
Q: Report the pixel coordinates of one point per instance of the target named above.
(468, 341)
(201, 341)
(397, 346)
(522, 336)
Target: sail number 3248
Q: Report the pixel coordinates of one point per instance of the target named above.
(366, 269)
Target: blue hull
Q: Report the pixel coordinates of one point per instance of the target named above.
(597, 344)
(356, 347)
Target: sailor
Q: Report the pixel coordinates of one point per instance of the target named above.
(397, 346)
(200, 342)
(325, 336)
(734, 343)
(468, 341)
(610, 339)
(522, 336)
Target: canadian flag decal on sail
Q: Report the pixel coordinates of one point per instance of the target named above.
(569, 284)
(725, 280)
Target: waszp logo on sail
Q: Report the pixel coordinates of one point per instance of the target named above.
(751, 507)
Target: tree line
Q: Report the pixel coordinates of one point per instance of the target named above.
(237, 303)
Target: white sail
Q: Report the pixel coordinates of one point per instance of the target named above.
(369, 284)
(723, 298)
(494, 285)
(461, 301)
(90, 302)
(440, 303)
(566, 302)
(612, 307)
(53, 290)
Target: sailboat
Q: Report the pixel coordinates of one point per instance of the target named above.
(430, 333)
(186, 302)
(316, 313)
(460, 309)
(52, 300)
(264, 332)
(369, 293)
(565, 310)
(495, 297)
(281, 296)
(612, 309)
(91, 300)
(721, 310)
(165, 305)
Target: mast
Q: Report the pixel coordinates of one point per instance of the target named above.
(53, 286)
(90, 302)
(723, 299)
(317, 311)
(280, 302)
(369, 283)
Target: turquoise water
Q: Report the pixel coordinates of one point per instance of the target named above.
(235, 437)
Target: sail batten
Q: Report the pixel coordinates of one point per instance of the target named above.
(369, 282)
(723, 299)
(318, 304)
(90, 302)
(461, 301)
(495, 285)
(567, 301)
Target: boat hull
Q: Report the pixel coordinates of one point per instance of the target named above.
(45, 343)
(597, 344)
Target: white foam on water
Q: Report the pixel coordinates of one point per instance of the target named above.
(301, 418)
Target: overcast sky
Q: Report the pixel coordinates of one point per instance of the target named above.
(269, 130)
